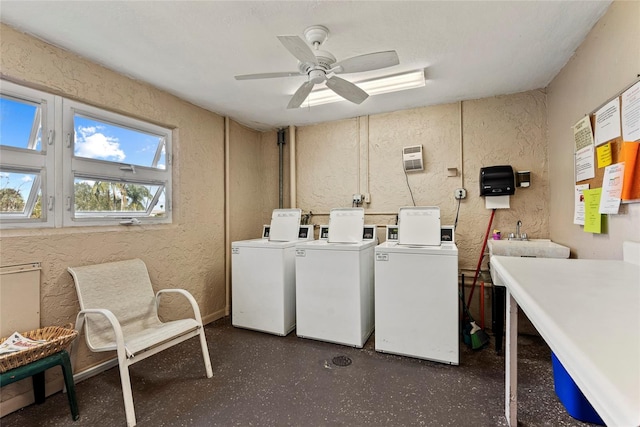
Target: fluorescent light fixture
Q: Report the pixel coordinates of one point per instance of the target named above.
(386, 84)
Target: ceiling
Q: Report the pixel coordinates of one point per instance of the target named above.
(193, 49)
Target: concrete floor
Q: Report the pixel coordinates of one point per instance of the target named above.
(264, 380)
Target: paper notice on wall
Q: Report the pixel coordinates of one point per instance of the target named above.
(496, 202)
(585, 163)
(631, 182)
(582, 133)
(578, 210)
(608, 122)
(611, 189)
(592, 217)
(603, 153)
(631, 113)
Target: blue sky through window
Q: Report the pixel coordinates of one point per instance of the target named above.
(104, 141)
(16, 121)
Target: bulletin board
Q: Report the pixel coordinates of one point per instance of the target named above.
(619, 148)
(616, 147)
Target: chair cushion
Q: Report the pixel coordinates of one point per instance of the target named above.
(124, 288)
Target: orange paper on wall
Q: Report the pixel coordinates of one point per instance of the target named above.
(631, 181)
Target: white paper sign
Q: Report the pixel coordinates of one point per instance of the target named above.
(582, 134)
(611, 189)
(578, 210)
(631, 113)
(585, 164)
(608, 122)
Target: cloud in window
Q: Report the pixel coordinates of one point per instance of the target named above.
(95, 145)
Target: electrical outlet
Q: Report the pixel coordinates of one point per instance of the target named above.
(357, 199)
(460, 193)
(367, 197)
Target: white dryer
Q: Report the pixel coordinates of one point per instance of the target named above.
(416, 289)
(334, 281)
(263, 275)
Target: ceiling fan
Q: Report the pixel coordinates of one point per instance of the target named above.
(320, 66)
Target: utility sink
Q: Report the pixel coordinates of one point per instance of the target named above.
(539, 248)
(536, 248)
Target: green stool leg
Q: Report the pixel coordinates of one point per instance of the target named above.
(69, 384)
(38, 387)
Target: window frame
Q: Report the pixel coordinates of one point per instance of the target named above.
(29, 161)
(111, 170)
(57, 166)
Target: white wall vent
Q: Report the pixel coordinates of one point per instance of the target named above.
(412, 158)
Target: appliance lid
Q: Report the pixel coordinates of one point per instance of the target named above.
(323, 245)
(445, 249)
(285, 225)
(263, 243)
(345, 225)
(419, 226)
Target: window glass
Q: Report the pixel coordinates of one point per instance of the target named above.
(95, 139)
(21, 127)
(19, 194)
(113, 198)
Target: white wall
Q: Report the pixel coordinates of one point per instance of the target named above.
(606, 62)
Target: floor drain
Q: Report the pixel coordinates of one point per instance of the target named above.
(341, 361)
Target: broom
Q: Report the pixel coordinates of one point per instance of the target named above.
(478, 337)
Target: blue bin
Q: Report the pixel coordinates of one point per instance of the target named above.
(570, 395)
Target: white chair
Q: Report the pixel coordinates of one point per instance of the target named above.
(119, 312)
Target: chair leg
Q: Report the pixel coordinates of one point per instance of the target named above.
(126, 393)
(205, 354)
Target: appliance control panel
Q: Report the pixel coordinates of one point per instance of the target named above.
(305, 232)
(447, 234)
(392, 233)
(324, 232)
(369, 232)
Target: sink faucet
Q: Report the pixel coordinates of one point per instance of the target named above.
(518, 235)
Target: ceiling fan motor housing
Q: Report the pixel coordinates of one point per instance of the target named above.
(317, 76)
(325, 62)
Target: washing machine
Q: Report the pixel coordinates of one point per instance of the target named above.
(334, 281)
(416, 288)
(263, 275)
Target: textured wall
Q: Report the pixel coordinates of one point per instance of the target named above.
(606, 62)
(188, 253)
(247, 170)
(337, 159)
(505, 130)
(254, 180)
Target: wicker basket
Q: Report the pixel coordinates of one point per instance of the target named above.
(58, 338)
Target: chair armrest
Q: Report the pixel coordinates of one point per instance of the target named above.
(117, 329)
(115, 324)
(187, 295)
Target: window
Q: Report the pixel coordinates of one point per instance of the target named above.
(26, 162)
(103, 168)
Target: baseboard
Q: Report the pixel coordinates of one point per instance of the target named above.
(26, 398)
(95, 370)
(214, 316)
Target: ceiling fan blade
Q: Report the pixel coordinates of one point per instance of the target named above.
(267, 75)
(301, 94)
(347, 90)
(368, 62)
(298, 48)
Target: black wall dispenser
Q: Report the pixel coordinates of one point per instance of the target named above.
(497, 181)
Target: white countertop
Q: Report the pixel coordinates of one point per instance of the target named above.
(588, 311)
